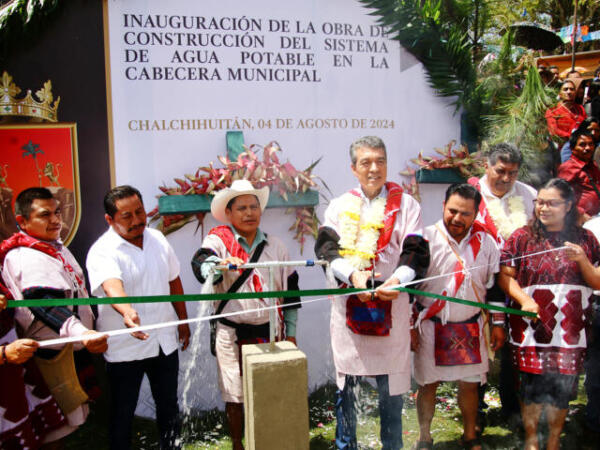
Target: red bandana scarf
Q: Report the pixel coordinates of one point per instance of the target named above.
(235, 249)
(24, 240)
(488, 222)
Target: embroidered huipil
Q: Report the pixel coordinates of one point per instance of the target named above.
(556, 342)
(28, 412)
(473, 287)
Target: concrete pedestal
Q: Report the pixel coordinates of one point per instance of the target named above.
(275, 397)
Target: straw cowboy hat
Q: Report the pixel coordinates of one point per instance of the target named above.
(238, 187)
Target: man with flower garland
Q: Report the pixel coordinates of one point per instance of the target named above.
(373, 231)
(451, 343)
(506, 205)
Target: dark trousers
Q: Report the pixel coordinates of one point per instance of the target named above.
(509, 376)
(125, 379)
(390, 412)
(592, 374)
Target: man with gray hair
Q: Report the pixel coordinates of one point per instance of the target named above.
(372, 231)
(506, 205)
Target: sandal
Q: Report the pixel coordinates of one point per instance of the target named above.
(468, 445)
(424, 445)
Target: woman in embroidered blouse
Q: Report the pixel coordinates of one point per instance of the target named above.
(567, 115)
(557, 283)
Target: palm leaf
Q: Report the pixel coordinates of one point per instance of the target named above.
(441, 46)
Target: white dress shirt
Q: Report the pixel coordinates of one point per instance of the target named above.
(143, 271)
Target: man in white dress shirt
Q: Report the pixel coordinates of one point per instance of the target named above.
(130, 259)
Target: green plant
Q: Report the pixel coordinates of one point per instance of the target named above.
(20, 19)
(442, 46)
(467, 164)
(522, 122)
(498, 79)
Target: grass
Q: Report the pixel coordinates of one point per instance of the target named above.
(209, 430)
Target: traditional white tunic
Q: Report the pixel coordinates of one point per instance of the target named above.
(356, 354)
(228, 363)
(474, 286)
(28, 268)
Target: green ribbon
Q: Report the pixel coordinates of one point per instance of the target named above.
(248, 295)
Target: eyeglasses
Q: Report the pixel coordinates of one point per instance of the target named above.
(548, 203)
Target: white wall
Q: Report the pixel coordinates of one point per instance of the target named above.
(147, 159)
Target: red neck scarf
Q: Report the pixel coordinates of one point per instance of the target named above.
(488, 221)
(235, 249)
(24, 240)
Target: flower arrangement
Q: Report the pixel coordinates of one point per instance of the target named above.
(358, 239)
(467, 164)
(283, 178)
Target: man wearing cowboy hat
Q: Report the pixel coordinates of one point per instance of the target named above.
(238, 242)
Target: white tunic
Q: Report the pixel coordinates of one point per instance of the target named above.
(355, 354)
(26, 268)
(474, 286)
(228, 353)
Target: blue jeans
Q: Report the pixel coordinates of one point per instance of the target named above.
(390, 413)
(125, 379)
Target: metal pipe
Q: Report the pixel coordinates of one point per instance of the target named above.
(269, 264)
(272, 265)
(272, 311)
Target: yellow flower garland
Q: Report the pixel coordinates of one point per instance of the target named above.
(358, 239)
